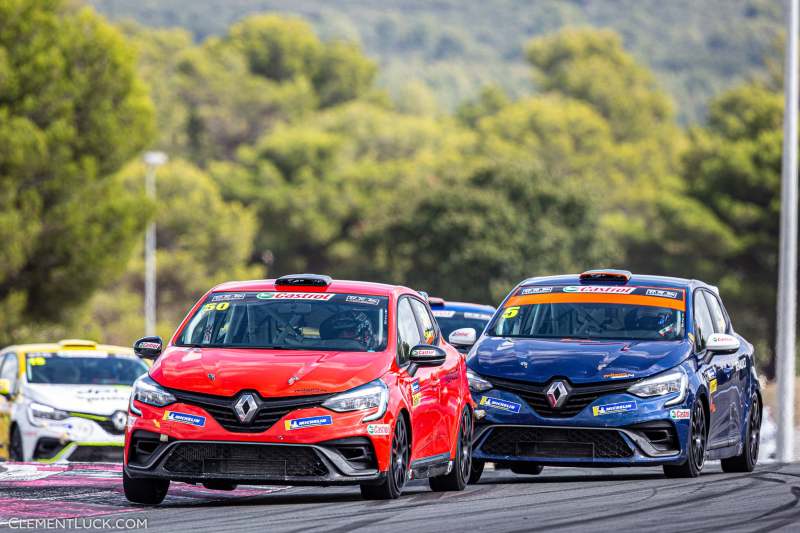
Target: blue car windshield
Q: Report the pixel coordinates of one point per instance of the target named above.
(570, 313)
(449, 320)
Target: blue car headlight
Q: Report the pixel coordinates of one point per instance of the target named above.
(674, 381)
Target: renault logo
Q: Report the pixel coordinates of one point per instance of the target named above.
(246, 407)
(557, 394)
(119, 419)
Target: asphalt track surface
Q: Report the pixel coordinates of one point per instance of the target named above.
(560, 499)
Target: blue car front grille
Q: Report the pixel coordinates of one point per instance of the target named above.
(579, 395)
(556, 443)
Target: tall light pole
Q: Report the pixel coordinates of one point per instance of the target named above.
(787, 272)
(153, 160)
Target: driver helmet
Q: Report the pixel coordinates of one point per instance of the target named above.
(353, 325)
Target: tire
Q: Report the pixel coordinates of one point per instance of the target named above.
(696, 455)
(459, 476)
(528, 469)
(476, 471)
(220, 485)
(746, 461)
(397, 474)
(146, 491)
(15, 448)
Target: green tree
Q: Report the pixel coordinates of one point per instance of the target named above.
(627, 152)
(316, 184)
(72, 111)
(475, 238)
(202, 241)
(734, 168)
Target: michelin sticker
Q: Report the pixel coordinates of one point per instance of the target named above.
(612, 408)
(308, 422)
(712, 386)
(680, 414)
(502, 405)
(443, 314)
(184, 418)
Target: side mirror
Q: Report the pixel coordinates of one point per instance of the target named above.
(148, 347)
(463, 338)
(425, 355)
(722, 343)
(5, 388)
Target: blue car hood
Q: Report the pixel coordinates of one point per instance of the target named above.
(580, 361)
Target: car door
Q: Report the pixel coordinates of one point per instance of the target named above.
(444, 378)
(712, 367)
(7, 367)
(734, 368)
(421, 391)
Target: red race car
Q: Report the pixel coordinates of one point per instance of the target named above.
(301, 381)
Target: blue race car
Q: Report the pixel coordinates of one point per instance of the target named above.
(610, 369)
(460, 322)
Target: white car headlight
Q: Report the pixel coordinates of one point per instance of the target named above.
(373, 394)
(671, 382)
(147, 391)
(39, 414)
(477, 383)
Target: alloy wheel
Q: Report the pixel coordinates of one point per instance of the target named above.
(698, 436)
(400, 453)
(755, 430)
(465, 445)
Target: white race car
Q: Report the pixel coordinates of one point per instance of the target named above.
(66, 401)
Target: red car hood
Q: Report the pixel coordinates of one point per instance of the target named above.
(267, 371)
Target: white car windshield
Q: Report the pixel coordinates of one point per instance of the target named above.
(56, 369)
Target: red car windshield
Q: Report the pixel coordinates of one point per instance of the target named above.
(289, 321)
(593, 312)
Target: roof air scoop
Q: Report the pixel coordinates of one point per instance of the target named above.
(606, 274)
(303, 280)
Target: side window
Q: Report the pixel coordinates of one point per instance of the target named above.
(425, 321)
(407, 331)
(10, 370)
(717, 315)
(703, 323)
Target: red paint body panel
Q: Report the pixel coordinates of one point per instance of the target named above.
(434, 420)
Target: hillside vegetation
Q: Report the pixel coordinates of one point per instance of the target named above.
(696, 48)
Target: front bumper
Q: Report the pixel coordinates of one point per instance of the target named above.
(75, 439)
(343, 461)
(342, 451)
(510, 429)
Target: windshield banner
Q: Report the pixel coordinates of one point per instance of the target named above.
(668, 297)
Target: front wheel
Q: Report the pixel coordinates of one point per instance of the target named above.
(15, 450)
(476, 471)
(746, 461)
(459, 476)
(397, 474)
(146, 491)
(696, 454)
